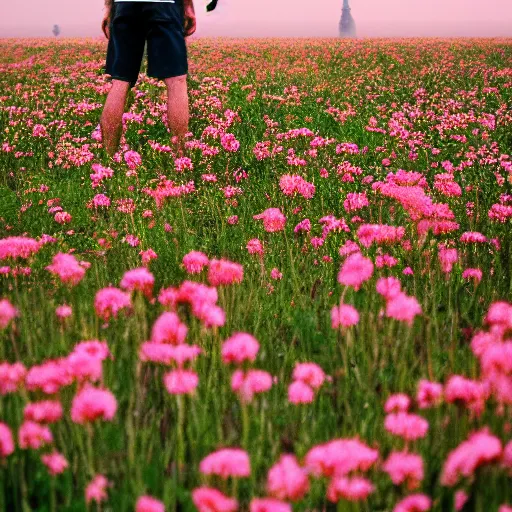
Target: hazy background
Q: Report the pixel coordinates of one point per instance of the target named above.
(482, 18)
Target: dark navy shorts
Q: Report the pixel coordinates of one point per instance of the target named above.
(160, 24)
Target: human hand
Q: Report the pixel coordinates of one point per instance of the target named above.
(189, 22)
(105, 25)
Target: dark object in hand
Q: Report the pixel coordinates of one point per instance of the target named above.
(211, 6)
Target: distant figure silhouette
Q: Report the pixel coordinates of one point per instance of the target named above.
(56, 30)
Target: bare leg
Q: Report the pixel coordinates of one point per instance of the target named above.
(177, 109)
(112, 117)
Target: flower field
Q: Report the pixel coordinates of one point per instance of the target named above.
(311, 310)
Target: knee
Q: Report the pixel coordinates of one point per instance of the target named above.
(176, 81)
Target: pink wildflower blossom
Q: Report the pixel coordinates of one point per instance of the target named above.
(195, 261)
(91, 404)
(404, 467)
(414, 503)
(273, 219)
(181, 382)
(97, 489)
(207, 499)
(240, 347)
(408, 426)
(6, 441)
(7, 313)
(227, 462)
(300, 393)
(481, 448)
(224, 272)
(246, 385)
(55, 462)
(110, 301)
(287, 480)
(33, 435)
(344, 315)
(351, 489)
(140, 279)
(355, 271)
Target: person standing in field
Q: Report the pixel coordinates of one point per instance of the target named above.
(163, 25)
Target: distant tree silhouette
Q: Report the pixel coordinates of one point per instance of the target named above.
(56, 30)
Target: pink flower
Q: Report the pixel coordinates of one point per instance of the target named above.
(7, 313)
(500, 314)
(344, 315)
(379, 234)
(140, 279)
(169, 329)
(447, 258)
(110, 301)
(148, 256)
(18, 247)
(46, 411)
(240, 347)
(195, 261)
(55, 462)
(254, 246)
(303, 225)
(269, 505)
(6, 441)
(355, 201)
(233, 220)
(429, 394)
(414, 503)
(350, 489)
(48, 377)
(181, 382)
(11, 377)
(229, 142)
(63, 311)
(310, 373)
(388, 287)
(273, 220)
(224, 272)
(404, 467)
(470, 393)
(397, 403)
(149, 504)
(403, 308)
(355, 271)
(472, 273)
(275, 274)
(460, 500)
(246, 385)
(408, 426)
(132, 159)
(473, 237)
(481, 448)
(287, 480)
(207, 499)
(33, 435)
(91, 404)
(507, 455)
(300, 393)
(97, 489)
(340, 457)
(63, 217)
(226, 462)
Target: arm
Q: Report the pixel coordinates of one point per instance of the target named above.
(189, 17)
(109, 4)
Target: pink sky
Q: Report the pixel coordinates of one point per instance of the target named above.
(280, 17)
